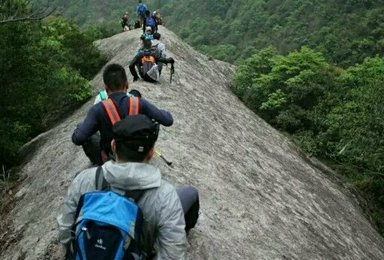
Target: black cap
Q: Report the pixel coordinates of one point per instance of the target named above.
(138, 133)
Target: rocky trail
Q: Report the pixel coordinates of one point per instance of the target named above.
(260, 198)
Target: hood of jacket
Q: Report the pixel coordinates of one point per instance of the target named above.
(131, 176)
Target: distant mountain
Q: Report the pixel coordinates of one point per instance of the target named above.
(345, 31)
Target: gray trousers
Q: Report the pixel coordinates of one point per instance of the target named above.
(189, 198)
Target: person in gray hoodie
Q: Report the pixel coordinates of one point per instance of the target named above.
(168, 212)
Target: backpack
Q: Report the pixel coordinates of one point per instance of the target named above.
(150, 21)
(159, 47)
(113, 113)
(141, 9)
(110, 224)
(149, 65)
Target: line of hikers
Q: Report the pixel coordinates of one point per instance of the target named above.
(144, 18)
(122, 208)
(150, 57)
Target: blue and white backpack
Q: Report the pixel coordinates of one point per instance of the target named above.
(109, 225)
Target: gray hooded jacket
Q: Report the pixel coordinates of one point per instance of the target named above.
(163, 227)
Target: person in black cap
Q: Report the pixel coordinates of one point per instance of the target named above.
(168, 212)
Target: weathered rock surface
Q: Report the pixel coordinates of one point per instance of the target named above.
(259, 198)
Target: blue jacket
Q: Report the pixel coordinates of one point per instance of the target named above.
(144, 8)
(97, 120)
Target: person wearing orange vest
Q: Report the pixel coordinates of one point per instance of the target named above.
(146, 60)
(103, 115)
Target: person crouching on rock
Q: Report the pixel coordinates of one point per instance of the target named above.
(103, 115)
(146, 60)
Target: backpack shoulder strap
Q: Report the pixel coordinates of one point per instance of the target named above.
(134, 194)
(100, 182)
(134, 106)
(110, 109)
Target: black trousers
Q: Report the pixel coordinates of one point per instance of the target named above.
(92, 149)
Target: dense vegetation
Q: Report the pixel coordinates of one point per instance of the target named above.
(45, 71)
(344, 31)
(332, 113)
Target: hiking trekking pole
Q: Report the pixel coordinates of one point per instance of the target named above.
(172, 72)
(169, 163)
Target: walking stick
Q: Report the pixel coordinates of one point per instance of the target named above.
(172, 72)
(169, 163)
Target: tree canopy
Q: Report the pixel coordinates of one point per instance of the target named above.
(45, 71)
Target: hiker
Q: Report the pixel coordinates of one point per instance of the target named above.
(85, 223)
(100, 116)
(148, 34)
(157, 16)
(149, 21)
(137, 24)
(146, 59)
(124, 22)
(160, 48)
(141, 8)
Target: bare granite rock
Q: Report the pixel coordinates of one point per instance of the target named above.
(260, 197)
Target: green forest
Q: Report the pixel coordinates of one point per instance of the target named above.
(45, 70)
(312, 69)
(345, 32)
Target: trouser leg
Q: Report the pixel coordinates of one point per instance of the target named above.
(133, 71)
(160, 65)
(69, 252)
(92, 149)
(189, 198)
